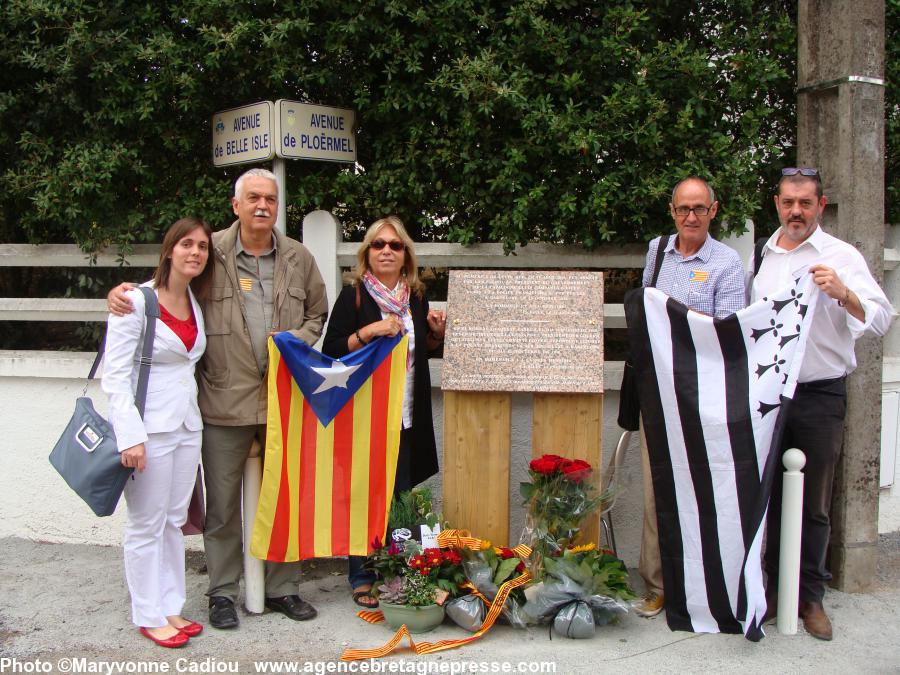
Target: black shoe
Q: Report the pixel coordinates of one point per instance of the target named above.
(222, 613)
(292, 606)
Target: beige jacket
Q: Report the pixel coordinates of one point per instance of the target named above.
(232, 391)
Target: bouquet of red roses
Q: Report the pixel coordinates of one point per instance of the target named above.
(558, 498)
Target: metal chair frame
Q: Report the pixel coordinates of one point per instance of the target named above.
(611, 488)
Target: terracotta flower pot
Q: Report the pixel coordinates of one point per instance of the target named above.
(416, 619)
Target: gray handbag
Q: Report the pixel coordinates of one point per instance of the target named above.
(86, 455)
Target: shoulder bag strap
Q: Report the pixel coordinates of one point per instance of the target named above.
(758, 254)
(660, 252)
(97, 360)
(151, 305)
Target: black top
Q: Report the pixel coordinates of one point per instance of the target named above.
(345, 320)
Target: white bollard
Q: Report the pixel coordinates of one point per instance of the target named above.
(791, 530)
(254, 569)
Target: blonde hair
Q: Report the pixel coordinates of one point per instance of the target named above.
(410, 269)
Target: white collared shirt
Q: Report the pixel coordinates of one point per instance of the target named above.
(830, 347)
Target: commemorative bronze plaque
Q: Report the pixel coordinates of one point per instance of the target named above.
(524, 331)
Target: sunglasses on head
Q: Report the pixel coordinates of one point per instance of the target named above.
(394, 244)
(802, 170)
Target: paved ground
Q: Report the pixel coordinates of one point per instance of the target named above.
(59, 601)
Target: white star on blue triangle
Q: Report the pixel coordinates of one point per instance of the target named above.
(326, 383)
(335, 376)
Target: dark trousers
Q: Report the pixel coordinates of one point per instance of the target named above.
(358, 574)
(815, 425)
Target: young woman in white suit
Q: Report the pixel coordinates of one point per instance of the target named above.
(164, 446)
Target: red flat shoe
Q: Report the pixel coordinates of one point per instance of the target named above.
(177, 640)
(192, 629)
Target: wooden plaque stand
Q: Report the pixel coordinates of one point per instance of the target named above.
(538, 332)
(477, 451)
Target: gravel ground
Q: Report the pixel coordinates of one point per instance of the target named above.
(64, 608)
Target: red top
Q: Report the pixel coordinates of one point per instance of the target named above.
(186, 329)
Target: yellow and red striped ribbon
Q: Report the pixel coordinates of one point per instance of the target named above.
(431, 647)
(522, 551)
(371, 615)
(468, 585)
(458, 539)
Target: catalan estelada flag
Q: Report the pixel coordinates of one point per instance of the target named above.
(332, 439)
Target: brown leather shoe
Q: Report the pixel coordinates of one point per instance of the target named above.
(815, 620)
(650, 605)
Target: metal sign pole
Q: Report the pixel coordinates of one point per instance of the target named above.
(279, 169)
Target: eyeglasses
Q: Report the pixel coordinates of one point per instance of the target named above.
(802, 170)
(394, 244)
(685, 210)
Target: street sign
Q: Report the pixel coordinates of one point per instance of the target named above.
(310, 131)
(244, 135)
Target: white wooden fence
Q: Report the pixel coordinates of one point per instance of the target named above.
(37, 387)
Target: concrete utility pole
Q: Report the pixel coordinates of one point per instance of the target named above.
(840, 130)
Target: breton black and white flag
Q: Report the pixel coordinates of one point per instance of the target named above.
(714, 393)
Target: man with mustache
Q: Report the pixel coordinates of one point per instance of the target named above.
(264, 282)
(708, 277)
(850, 305)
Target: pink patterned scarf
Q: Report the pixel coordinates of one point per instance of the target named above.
(390, 302)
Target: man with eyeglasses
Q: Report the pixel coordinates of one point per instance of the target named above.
(706, 276)
(851, 304)
(264, 282)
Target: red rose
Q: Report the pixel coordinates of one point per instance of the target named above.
(546, 464)
(520, 567)
(576, 470)
(506, 553)
(452, 557)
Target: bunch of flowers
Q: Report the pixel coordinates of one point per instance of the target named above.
(414, 574)
(598, 571)
(444, 568)
(488, 568)
(388, 562)
(558, 498)
(583, 587)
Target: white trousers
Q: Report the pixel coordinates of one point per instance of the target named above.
(158, 499)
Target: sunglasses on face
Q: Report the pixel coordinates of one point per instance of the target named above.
(394, 244)
(802, 170)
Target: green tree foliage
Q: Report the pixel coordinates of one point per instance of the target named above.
(506, 120)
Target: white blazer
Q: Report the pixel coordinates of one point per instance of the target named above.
(172, 389)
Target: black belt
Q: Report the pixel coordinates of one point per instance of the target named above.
(821, 384)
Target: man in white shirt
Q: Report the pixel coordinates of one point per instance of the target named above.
(850, 304)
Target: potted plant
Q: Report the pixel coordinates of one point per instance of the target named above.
(410, 601)
(408, 513)
(416, 583)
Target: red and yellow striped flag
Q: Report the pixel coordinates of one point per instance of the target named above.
(332, 439)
